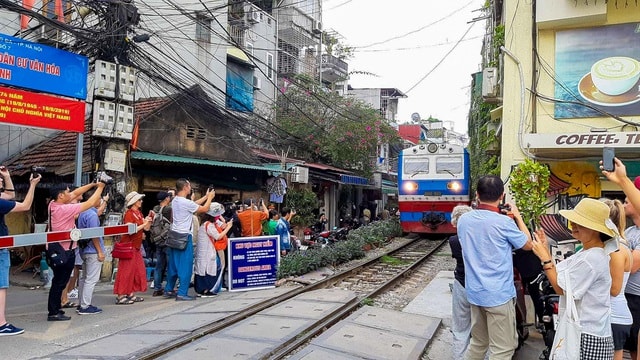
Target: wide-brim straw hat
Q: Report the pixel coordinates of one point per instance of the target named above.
(592, 214)
(133, 197)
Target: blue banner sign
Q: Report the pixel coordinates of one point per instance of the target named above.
(253, 262)
(43, 68)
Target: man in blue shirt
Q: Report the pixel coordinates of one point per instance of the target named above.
(7, 206)
(282, 228)
(488, 238)
(92, 257)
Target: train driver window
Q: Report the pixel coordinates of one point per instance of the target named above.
(416, 166)
(449, 165)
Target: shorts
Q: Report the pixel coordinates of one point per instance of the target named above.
(620, 335)
(5, 265)
(633, 301)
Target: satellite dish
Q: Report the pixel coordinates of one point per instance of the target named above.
(415, 116)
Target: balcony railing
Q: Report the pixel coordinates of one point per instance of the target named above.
(333, 68)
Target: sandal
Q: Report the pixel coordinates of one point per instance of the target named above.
(70, 305)
(124, 301)
(135, 298)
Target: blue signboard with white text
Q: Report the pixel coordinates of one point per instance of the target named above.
(253, 262)
(43, 68)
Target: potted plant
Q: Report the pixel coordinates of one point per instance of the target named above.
(529, 183)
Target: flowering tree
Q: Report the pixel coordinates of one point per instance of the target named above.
(326, 127)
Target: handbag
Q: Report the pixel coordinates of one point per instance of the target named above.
(176, 240)
(122, 250)
(566, 343)
(57, 256)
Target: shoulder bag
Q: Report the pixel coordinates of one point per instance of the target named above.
(566, 343)
(176, 240)
(122, 250)
(56, 254)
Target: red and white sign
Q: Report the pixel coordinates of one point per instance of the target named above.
(57, 236)
(26, 108)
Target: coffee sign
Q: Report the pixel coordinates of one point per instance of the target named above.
(583, 140)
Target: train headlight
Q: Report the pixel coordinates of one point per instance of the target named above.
(410, 186)
(454, 186)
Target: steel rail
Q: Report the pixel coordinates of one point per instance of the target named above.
(209, 329)
(323, 324)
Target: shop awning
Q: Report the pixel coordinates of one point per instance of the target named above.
(389, 187)
(270, 167)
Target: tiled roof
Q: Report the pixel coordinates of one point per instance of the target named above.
(57, 154)
(556, 185)
(145, 107)
(554, 227)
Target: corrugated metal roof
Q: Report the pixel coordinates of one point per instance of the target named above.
(143, 155)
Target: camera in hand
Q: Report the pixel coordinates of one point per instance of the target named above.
(102, 177)
(37, 170)
(211, 188)
(504, 208)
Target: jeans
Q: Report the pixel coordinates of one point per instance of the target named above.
(61, 275)
(180, 267)
(460, 320)
(161, 266)
(91, 269)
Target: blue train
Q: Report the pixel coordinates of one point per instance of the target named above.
(432, 179)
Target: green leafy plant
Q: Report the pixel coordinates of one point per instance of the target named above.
(304, 202)
(529, 183)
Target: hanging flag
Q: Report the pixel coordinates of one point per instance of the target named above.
(24, 19)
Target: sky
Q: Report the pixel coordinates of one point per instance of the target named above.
(420, 51)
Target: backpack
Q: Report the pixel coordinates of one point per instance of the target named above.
(159, 228)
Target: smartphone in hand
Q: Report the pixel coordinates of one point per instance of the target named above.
(608, 153)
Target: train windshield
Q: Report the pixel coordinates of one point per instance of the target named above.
(416, 166)
(449, 165)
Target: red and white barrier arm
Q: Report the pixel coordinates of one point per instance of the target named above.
(57, 236)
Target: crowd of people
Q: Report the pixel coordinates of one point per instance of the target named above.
(206, 225)
(601, 277)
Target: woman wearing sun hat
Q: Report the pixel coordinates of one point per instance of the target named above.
(212, 240)
(588, 274)
(132, 275)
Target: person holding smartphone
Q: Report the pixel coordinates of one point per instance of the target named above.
(251, 219)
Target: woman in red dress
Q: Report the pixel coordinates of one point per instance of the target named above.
(132, 275)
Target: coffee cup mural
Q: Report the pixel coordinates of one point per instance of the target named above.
(615, 75)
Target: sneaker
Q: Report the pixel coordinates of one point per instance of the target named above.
(184, 298)
(169, 294)
(207, 294)
(58, 317)
(159, 292)
(8, 329)
(73, 294)
(90, 310)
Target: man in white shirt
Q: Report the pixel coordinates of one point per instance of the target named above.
(181, 261)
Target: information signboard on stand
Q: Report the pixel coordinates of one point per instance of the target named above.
(253, 262)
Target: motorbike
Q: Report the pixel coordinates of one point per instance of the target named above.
(549, 324)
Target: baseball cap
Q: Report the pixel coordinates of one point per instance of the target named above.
(163, 195)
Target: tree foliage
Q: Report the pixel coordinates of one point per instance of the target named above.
(336, 130)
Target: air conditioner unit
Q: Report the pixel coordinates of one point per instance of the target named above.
(253, 16)
(490, 82)
(317, 27)
(257, 83)
(300, 175)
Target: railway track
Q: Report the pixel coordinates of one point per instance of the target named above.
(367, 280)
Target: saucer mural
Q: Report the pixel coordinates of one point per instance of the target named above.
(590, 93)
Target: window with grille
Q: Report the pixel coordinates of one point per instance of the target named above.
(203, 29)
